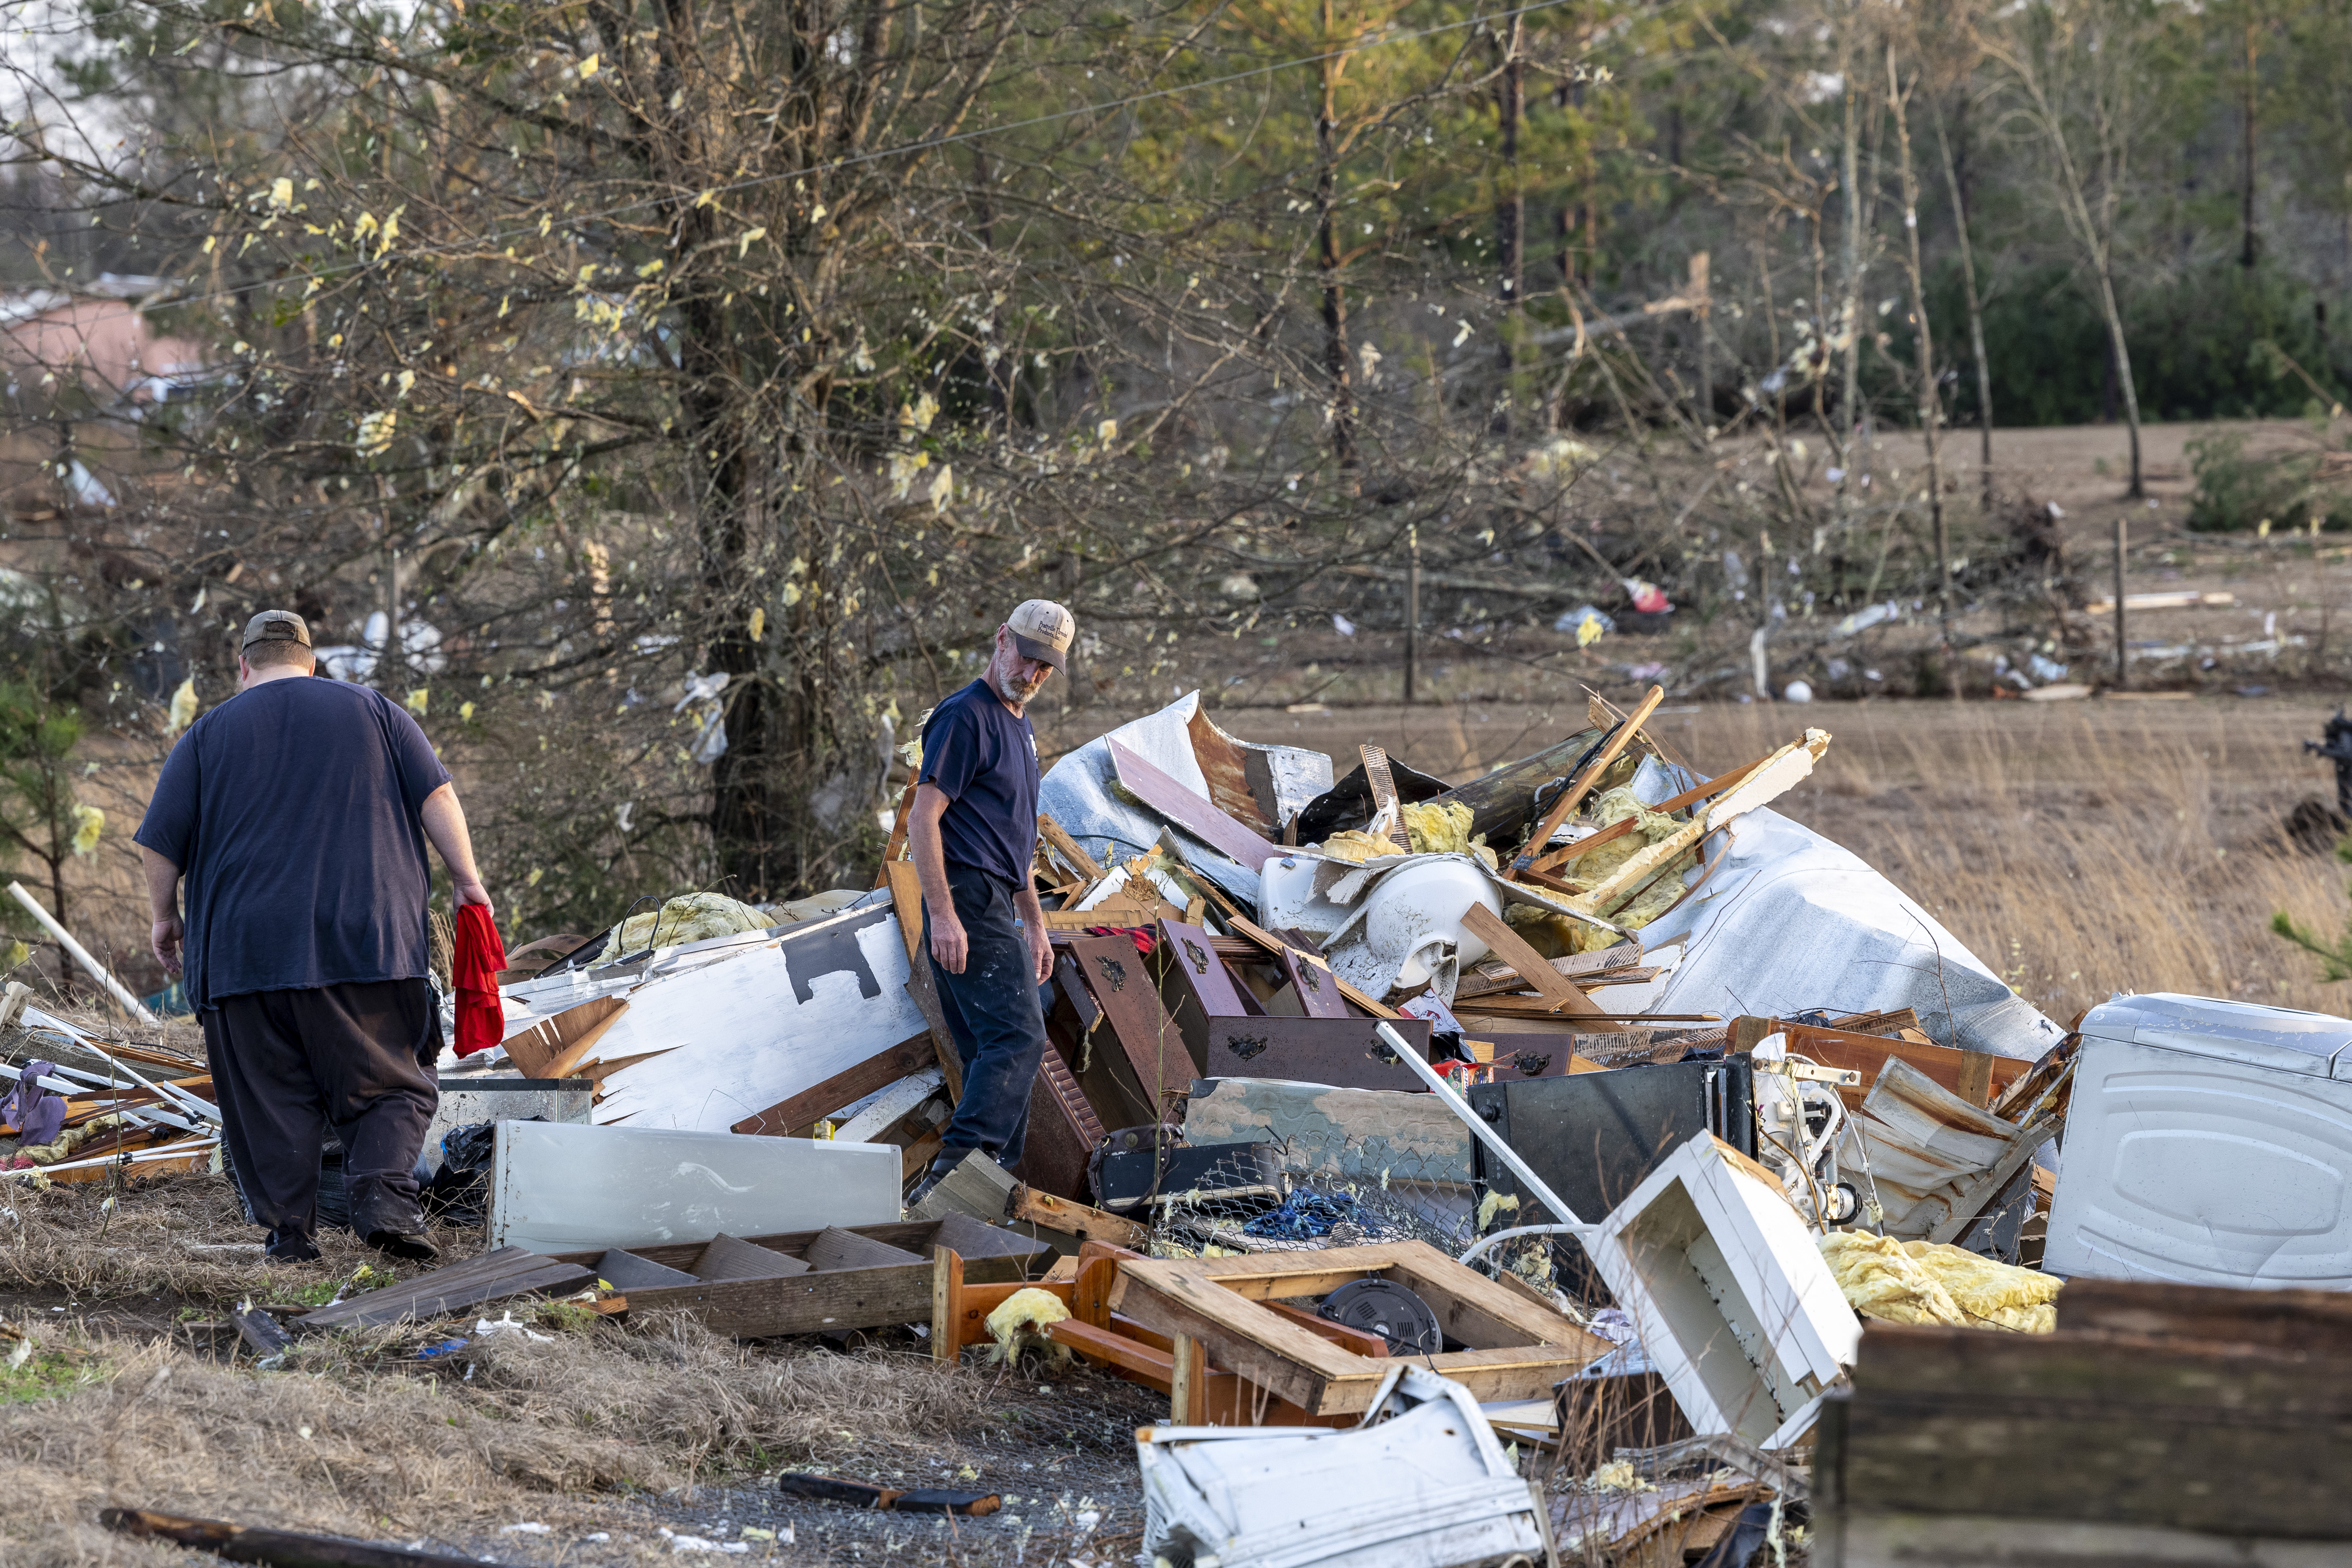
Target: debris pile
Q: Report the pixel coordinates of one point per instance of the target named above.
(1583, 1159)
(77, 1107)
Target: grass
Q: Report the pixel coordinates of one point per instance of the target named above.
(356, 1437)
(2078, 848)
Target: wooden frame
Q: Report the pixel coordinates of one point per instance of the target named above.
(1518, 1349)
(1200, 1393)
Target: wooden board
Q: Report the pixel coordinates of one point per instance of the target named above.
(849, 1298)
(1959, 1072)
(1382, 784)
(1051, 833)
(1063, 1128)
(725, 1259)
(2305, 1322)
(906, 903)
(1194, 814)
(553, 1047)
(2107, 1427)
(1343, 1053)
(1316, 986)
(1077, 1218)
(1512, 948)
(1225, 767)
(1158, 1065)
(500, 1274)
(793, 1116)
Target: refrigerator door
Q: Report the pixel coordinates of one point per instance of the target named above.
(2203, 1168)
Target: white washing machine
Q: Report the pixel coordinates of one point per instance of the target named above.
(2207, 1142)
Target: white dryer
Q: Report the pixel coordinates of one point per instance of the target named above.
(2207, 1142)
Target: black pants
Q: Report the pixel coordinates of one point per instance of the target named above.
(995, 1012)
(356, 1058)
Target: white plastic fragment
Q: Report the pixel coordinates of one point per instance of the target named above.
(1421, 1482)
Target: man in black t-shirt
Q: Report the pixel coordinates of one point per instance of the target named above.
(973, 832)
(298, 811)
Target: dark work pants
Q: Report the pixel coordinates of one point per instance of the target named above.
(995, 1012)
(289, 1065)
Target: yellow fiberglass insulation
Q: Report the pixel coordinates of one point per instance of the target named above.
(1348, 844)
(1881, 1280)
(1926, 1282)
(1608, 808)
(692, 917)
(1444, 830)
(1020, 1322)
(1990, 1293)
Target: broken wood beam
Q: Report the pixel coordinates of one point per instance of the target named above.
(1616, 830)
(1534, 969)
(277, 1548)
(1067, 1213)
(791, 1116)
(1586, 777)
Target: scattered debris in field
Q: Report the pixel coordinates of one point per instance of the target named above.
(1585, 1159)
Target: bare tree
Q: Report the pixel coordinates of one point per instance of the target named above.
(2080, 76)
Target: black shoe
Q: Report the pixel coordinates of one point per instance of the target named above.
(942, 1168)
(412, 1246)
(287, 1246)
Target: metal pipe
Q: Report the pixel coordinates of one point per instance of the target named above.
(144, 1115)
(184, 1149)
(1530, 1182)
(97, 971)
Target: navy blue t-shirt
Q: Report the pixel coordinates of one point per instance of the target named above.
(983, 757)
(292, 810)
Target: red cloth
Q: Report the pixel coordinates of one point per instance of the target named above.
(1139, 935)
(474, 970)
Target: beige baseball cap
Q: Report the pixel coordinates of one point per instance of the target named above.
(1042, 630)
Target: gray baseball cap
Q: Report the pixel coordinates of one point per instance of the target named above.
(275, 625)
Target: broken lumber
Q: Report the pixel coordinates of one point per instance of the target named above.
(866, 1494)
(278, 1548)
(1508, 945)
(1585, 779)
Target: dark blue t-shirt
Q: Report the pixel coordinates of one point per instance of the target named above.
(983, 757)
(292, 810)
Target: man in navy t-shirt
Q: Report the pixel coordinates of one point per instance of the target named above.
(973, 832)
(298, 811)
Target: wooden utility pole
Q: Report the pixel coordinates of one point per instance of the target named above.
(1412, 609)
(2123, 671)
(1930, 410)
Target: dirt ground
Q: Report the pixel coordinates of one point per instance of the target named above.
(571, 1441)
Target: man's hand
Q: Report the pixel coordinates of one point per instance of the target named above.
(469, 890)
(163, 939)
(948, 945)
(1041, 949)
